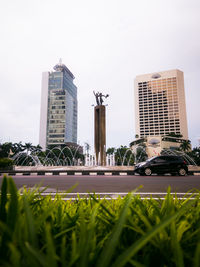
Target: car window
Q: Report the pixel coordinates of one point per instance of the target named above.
(174, 158)
(159, 160)
(171, 158)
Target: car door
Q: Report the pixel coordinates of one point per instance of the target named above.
(159, 165)
(174, 163)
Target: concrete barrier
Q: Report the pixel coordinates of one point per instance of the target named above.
(79, 170)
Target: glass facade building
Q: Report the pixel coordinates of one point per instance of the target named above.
(58, 123)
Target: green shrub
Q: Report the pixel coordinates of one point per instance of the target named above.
(6, 163)
(39, 231)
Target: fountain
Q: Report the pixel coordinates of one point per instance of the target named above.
(188, 159)
(53, 157)
(139, 153)
(26, 158)
(59, 157)
(67, 160)
(90, 160)
(124, 159)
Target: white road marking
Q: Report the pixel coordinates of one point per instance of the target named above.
(115, 193)
(109, 198)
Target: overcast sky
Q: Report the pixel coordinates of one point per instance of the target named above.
(105, 44)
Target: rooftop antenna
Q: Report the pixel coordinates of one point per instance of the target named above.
(60, 61)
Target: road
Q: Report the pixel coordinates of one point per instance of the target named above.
(110, 183)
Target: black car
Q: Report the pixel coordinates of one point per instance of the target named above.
(162, 164)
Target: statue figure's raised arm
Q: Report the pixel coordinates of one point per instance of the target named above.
(101, 97)
(97, 97)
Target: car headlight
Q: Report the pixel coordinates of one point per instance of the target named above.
(142, 163)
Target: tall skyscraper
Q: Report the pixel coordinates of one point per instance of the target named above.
(58, 118)
(160, 104)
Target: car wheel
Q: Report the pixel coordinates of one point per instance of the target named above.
(147, 171)
(182, 172)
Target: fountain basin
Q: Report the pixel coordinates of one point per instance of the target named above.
(80, 170)
(76, 168)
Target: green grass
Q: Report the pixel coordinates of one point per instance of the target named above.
(39, 231)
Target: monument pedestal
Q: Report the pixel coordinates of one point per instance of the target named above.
(100, 134)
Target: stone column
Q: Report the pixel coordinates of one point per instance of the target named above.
(100, 134)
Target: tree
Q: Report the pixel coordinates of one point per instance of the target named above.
(141, 154)
(6, 149)
(195, 155)
(110, 151)
(124, 156)
(6, 164)
(28, 147)
(185, 145)
(18, 147)
(37, 149)
(64, 156)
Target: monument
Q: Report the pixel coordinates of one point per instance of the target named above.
(100, 129)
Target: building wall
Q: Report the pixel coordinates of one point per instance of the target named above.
(155, 144)
(58, 108)
(182, 105)
(43, 110)
(71, 109)
(160, 104)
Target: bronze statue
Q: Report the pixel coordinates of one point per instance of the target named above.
(99, 98)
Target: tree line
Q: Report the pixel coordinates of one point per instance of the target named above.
(123, 155)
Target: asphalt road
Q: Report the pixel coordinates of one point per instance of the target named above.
(111, 183)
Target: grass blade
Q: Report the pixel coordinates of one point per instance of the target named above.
(51, 257)
(178, 254)
(132, 250)
(197, 256)
(13, 204)
(3, 199)
(36, 256)
(32, 235)
(107, 253)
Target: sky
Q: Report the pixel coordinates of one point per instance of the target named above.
(105, 44)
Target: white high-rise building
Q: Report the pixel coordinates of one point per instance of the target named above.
(58, 117)
(160, 104)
